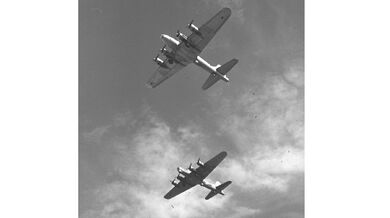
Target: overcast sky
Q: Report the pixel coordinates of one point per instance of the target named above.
(132, 138)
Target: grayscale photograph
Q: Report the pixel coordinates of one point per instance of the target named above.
(191, 108)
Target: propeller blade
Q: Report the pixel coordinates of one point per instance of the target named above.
(177, 33)
(190, 23)
(189, 167)
(162, 49)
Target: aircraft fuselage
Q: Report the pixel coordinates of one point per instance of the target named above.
(184, 50)
(188, 177)
(195, 180)
(210, 186)
(184, 53)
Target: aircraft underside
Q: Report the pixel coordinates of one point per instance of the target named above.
(190, 177)
(186, 54)
(185, 50)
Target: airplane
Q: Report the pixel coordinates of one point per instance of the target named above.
(191, 177)
(186, 50)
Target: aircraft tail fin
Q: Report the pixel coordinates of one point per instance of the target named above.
(218, 190)
(213, 78)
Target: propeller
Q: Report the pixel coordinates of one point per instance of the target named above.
(177, 33)
(200, 163)
(162, 49)
(173, 181)
(155, 57)
(190, 23)
(189, 167)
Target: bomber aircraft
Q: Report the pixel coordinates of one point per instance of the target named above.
(191, 177)
(186, 50)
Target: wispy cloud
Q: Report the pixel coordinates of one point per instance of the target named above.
(259, 120)
(243, 212)
(264, 120)
(270, 169)
(144, 155)
(140, 152)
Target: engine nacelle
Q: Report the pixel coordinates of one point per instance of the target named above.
(181, 36)
(164, 51)
(181, 177)
(200, 163)
(175, 182)
(194, 28)
(183, 171)
(167, 53)
(192, 169)
(158, 61)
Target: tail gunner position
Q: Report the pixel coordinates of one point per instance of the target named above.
(186, 50)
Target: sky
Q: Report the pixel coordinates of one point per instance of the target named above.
(132, 138)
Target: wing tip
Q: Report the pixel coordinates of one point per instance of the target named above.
(223, 153)
(227, 10)
(150, 85)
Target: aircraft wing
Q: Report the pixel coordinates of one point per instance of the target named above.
(210, 165)
(164, 72)
(209, 29)
(178, 189)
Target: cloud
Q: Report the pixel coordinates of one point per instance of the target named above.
(259, 120)
(138, 152)
(264, 119)
(243, 212)
(265, 169)
(264, 112)
(294, 74)
(144, 154)
(134, 156)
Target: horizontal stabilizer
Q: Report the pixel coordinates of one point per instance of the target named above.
(210, 195)
(224, 185)
(227, 67)
(213, 78)
(218, 190)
